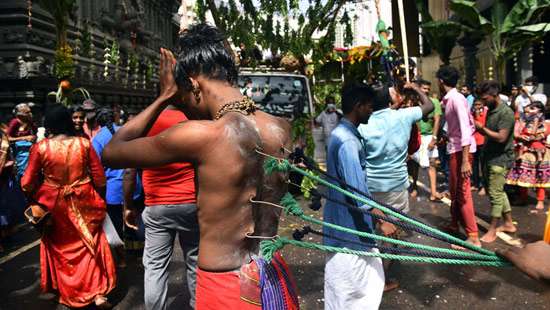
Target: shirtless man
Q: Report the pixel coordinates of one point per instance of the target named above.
(221, 140)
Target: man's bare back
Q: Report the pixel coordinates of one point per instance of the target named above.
(228, 167)
(222, 141)
(230, 174)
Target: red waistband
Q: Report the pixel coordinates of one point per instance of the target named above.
(228, 290)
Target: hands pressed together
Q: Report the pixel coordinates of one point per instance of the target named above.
(168, 86)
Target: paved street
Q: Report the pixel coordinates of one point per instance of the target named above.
(422, 286)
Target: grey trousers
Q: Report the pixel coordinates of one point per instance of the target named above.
(162, 222)
(398, 200)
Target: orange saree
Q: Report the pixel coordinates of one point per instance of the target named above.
(75, 258)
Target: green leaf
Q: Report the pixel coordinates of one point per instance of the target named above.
(542, 27)
(442, 36)
(499, 11)
(468, 12)
(522, 13)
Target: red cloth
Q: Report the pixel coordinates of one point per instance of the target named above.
(91, 133)
(14, 132)
(415, 140)
(244, 289)
(222, 290)
(524, 193)
(462, 205)
(481, 118)
(75, 258)
(173, 183)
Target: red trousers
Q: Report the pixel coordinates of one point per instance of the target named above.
(462, 205)
(524, 193)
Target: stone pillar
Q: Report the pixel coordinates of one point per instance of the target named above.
(469, 45)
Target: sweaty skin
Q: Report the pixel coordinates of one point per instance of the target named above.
(229, 173)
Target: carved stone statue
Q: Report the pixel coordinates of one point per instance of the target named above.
(22, 67)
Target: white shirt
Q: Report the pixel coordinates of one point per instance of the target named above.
(522, 100)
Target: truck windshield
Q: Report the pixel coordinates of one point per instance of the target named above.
(279, 95)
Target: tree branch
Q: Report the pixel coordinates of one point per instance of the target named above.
(215, 14)
(323, 20)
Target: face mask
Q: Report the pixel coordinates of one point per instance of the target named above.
(331, 107)
(530, 89)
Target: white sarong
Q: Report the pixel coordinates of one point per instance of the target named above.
(353, 282)
(423, 155)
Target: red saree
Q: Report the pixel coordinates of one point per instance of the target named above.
(75, 258)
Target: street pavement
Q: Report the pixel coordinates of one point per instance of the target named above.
(421, 285)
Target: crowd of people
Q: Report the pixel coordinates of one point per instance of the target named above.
(96, 184)
(505, 135)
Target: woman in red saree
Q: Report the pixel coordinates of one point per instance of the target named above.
(65, 175)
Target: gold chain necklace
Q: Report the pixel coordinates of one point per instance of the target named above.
(245, 106)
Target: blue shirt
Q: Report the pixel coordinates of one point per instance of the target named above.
(114, 193)
(470, 100)
(387, 137)
(346, 161)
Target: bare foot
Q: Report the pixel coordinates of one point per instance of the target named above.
(540, 205)
(414, 193)
(436, 196)
(507, 227)
(481, 192)
(457, 247)
(391, 285)
(102, 303)
(490, 236)
(474, 241)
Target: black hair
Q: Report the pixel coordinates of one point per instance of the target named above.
(330, 99)
(355, 94)
(533, 79)
(382, 97)
(490, 87)
(58, 121)
(449, 75)
(77, 108)
(202, 51)
(539, 105)
(421, 82)
(106, 118)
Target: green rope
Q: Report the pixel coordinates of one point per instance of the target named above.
(284, 165)
(292, 207)
(269, 247)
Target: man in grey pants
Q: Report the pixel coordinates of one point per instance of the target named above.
(171, 209)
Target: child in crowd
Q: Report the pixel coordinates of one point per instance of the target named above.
(532, 166)
(480, 115)
(531, 134)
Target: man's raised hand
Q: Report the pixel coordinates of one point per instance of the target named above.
(168, 87)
